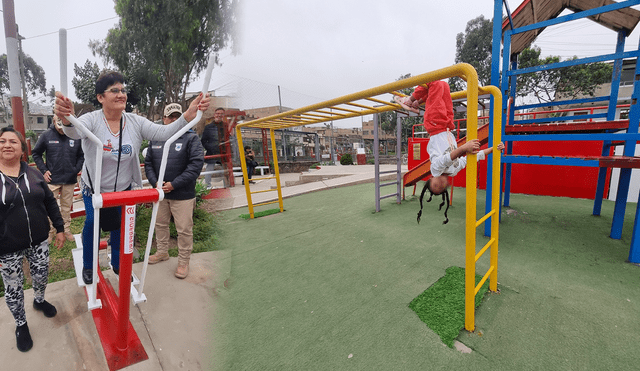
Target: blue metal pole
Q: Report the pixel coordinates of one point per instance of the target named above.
(509, 85)
(495, 81)
(634, 252)
(629, 150)
(611, 115)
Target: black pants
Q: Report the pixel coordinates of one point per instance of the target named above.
(251, 167)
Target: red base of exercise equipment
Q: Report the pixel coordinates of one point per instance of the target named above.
(106, 321)
(218, 193)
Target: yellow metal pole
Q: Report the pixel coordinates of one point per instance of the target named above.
(243, 163)
(472, 171)
(443, 73)
(276, 169)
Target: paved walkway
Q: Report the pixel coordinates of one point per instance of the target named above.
(179, 325)
(293, 184)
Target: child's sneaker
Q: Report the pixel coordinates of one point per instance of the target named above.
(405, 102)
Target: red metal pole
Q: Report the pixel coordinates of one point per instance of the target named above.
(138, 196)
(126, 260)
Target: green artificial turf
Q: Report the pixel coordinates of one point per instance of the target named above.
(441, 306)
(260, 213)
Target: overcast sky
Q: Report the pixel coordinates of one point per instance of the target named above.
(313, 50)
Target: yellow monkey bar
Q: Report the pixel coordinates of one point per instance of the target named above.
(369, 102)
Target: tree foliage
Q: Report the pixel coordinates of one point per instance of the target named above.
(161, 46)
(84, 82)
(389, 119)
(35, 81)
(474, 47)
(569, 82)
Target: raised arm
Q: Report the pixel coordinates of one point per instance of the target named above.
(500, 148)
(201, 103)
(63, 107)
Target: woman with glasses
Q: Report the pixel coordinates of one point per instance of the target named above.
(121, 134)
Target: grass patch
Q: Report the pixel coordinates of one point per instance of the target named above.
(260, 213)
(205, 226)
(441, 306)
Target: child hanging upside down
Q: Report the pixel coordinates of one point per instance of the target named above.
(447, 159)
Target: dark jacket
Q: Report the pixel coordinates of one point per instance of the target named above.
(64, 156)
(184, 165)
(25, 209)
(211, 141)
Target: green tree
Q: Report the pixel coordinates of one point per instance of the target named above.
(35, 81)
(84, 82)
(474, 47)
(161, 46)
(568, 82)
(389, 119)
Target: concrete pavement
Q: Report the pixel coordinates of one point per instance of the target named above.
(293, 184)
(177, 324)
(180, 324)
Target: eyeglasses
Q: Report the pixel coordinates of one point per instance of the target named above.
(116, 91)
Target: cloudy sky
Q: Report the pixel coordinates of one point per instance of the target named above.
(312, 50)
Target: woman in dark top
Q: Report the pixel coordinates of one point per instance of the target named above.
(26, 204)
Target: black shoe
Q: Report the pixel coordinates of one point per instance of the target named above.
(46, 308)
(87, 276)
(252, 182)
(23, 338)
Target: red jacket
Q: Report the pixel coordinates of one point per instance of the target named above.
(438, 108)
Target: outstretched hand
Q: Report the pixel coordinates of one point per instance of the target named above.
(201, 103)
(63, 107)
(471, 146)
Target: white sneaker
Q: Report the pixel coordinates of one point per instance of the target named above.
(405, 103)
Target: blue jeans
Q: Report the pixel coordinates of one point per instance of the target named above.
(87, 236)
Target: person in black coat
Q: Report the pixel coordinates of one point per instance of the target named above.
(26, 205)
(184, 164)
(60, 170)
(211, 136)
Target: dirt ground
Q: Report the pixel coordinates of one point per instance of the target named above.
(216, 204)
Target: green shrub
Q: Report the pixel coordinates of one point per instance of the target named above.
(145, 144)
(346, 159)
(204, 227)
(201, 191)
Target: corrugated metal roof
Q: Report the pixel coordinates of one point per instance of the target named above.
(534, 11)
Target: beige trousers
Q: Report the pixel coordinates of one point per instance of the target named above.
(182, 211)
(64, 194)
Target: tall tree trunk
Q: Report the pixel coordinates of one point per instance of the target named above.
(152, 103)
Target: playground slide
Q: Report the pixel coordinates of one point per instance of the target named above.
(424, 168)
